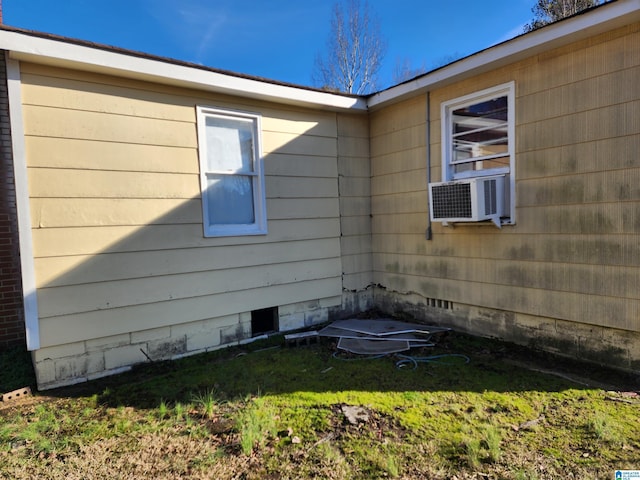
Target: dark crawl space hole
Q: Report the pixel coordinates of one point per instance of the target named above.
(264, 320)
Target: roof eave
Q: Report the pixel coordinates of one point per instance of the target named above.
(58, 52)
(579, 27)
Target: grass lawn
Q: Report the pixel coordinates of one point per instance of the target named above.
(267, 411)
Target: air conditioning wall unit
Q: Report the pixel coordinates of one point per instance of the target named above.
(470, 200)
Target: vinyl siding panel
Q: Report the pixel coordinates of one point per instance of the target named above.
(102, 323)
(90, 240)
(49, 152)
(127, 292)
(597, 280)
(87, 212)
(56, 87)
(406, 182)
(574, 253)
(153, 263)
(117, 217)
(398, 166)
(357, 225)
(44, 121)
(305, 165)
(354, 185)
(64, 183)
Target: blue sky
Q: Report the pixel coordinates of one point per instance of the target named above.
(275, 39)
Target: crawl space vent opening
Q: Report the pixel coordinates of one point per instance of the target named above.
(264, 320)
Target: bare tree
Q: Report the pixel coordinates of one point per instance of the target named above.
(354, 53)
(403, 70)
(549, 11)
(447, 59)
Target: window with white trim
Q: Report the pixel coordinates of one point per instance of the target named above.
(231, 172)
(478, 139)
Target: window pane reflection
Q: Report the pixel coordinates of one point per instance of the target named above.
(230, 199)
(229, 145)
(480, 130)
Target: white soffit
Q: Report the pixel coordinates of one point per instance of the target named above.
(51, 51)
(604, 18)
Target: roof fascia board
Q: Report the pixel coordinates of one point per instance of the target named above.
(25, 47)
(606, 17)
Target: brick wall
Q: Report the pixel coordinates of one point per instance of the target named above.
(12, 331)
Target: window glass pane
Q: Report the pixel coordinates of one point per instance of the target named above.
(480, 130)
(230, 199)
(229, 145)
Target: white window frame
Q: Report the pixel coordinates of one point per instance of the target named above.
(448, 163)
(259, 226)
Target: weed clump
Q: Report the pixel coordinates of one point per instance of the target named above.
(256, 425)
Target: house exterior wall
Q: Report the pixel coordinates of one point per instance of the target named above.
(122, 267)
(354, 175)
(12, 329)
(566, 276)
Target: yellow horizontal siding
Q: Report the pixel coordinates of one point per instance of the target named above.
(610, 312)
(602, 280)
(353, 147)
(400, 243)
(610, 154)
(68, 270)
(95, 155)
(72, 94)
(299, 208)
(587, 94)
(361, 262)
(106, 98)
(581, 188)
(610, 249)
(355, 244)
(359, 167)
(77, 124)
(403, 182)
(85, 212)
(301, 187)
(356, 225)
(101, 323)
(399, 141)
(355, 201)
(68, 183)
(129, 292)
(404, 202)
(317, 124)
(400, 161)
(355, 187)
(600, 55)
(607, 122)
(139, 98)
(400, 116)
(53, 242)
(399, 223)
(294, 144)
(596, 218)
(300, 166)
(352, 126)
(355, 206)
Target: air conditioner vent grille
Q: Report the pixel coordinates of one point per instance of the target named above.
(452, 200)
(490, 197)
